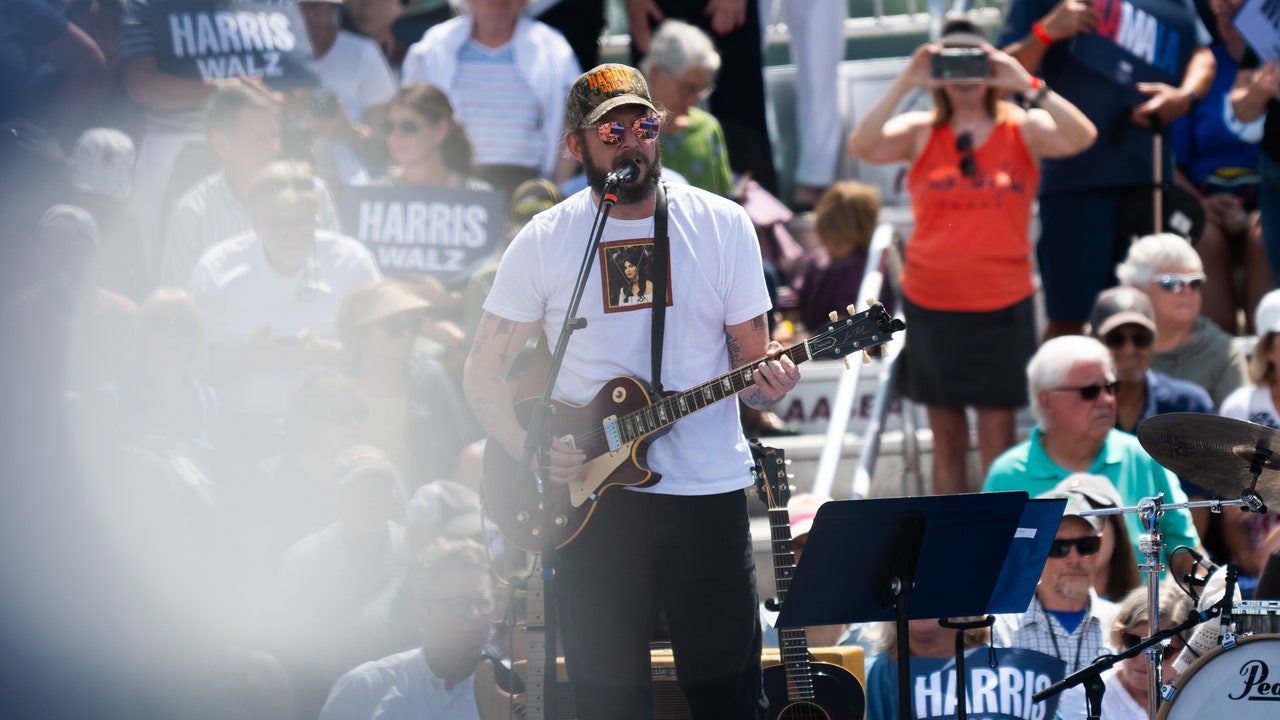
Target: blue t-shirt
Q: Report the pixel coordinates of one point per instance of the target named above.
(1210, 137)
(1000, 693)
(1155, 38)
(25, 26)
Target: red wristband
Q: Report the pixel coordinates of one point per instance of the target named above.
(1037, 29)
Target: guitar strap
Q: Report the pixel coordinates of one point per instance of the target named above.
(661, 251)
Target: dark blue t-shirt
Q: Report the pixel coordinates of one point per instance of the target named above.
(25, 26)
(1148, 39)
(1210, 137)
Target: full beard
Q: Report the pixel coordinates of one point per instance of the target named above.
(640, 189)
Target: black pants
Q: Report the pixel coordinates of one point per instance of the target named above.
(691, 555)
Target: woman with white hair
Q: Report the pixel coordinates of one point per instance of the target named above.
(681, 68)
(1188, 345)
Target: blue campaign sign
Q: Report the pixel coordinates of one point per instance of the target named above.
(1002, 692)
(223, 39)
(442, 232)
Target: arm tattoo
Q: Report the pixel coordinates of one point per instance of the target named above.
(735, 351)
(758, 323)
(753, 399)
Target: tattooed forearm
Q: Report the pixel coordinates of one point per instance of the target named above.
(758, 323)
(752, 397)
(735, 351)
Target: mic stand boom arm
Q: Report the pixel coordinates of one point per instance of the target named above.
(537, 440)
(1091, 675)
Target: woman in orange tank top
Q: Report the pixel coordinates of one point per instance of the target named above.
(967, 278)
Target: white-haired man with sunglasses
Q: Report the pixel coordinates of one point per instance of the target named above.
(1071, 381)
(1066, 618)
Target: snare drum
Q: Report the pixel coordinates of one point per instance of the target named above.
(1242, 683)
(1260, 617)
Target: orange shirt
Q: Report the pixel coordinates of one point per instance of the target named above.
(970, 250)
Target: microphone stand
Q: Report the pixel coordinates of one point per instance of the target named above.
(1091, 675)
(537, 440)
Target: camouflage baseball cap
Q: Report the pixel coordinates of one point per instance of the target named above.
(602, 89)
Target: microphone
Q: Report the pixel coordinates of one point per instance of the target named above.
(629, 171)
(1205, 638)
(1225, 629)
(1203, 563)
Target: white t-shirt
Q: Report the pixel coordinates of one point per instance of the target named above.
(1252, 403)
(237, 293)
(357, 71)
(716, 281)
(399, 687)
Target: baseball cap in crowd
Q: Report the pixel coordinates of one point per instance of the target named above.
(102, 163)
(801, 509)
(446, 509)
(530, 198)
(602, 89)
(1266, 318)
(1121, 306)
(378, 301)
(1085, 492)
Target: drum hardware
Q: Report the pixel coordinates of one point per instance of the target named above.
(1228, 457)
(1228, 682)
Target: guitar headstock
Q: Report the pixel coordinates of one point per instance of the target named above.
(773, 485)
(839, 339)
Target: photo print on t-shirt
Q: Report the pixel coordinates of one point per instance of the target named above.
(627, 272)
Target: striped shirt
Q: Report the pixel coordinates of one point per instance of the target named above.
(497, 107)
(209, 213)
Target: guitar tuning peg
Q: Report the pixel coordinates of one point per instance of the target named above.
(846, 362)
(884, 350)
(833, 315)
(871, 301)
(853, 309)
(866, 357)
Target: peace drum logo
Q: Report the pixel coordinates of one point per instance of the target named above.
(1254, 674)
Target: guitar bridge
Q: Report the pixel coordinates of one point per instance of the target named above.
(612, 433)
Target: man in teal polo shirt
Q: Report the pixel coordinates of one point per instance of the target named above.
(1071, 381)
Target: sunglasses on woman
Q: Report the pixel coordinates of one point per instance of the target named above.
(406, 127)
(1085, 546)
(964, 146)
(1176, 283)
(645, 128)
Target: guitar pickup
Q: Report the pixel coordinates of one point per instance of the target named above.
(612, 433)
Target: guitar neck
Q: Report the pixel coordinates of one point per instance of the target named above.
(793, 644)
(535, 675)
(667, 410)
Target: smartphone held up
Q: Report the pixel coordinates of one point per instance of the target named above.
(960, 64)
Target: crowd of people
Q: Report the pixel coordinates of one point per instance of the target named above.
(272, 272)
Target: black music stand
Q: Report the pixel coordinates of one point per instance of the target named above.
(921, 557)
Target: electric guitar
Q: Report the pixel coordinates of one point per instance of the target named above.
(615, 428)
(798, 689)
(524, 702)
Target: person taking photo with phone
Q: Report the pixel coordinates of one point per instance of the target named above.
(967, 278)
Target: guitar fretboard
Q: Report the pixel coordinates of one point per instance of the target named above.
(654, 417)
(793, 644)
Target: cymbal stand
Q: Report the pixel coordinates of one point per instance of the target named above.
(1151, 545)
(1262, 457)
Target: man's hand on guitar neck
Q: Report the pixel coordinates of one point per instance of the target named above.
(774, 378)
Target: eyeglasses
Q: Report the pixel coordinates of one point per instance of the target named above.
(964, 146)
(298, 185)
(1176, 283)
(1141, 339)
(645, 128)
(406, 127)
(177, 327)
(1089, 392)
(480, 604)
(1132, 640)
(1088, 545)
(702, 91)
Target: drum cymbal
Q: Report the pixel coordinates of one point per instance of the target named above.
(1215, 452)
